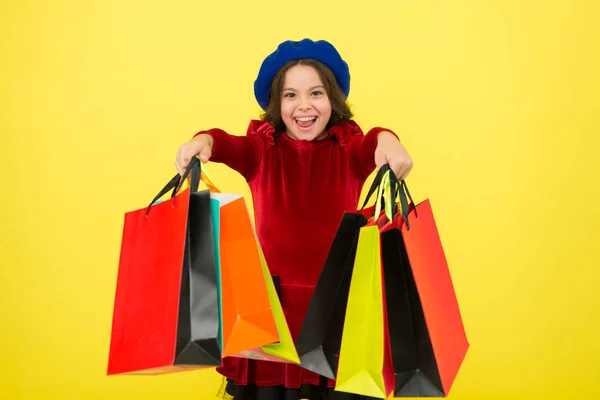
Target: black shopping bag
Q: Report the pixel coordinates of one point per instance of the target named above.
(319, 340)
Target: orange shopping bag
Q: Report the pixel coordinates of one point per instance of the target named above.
(253, 322)
(248, 320)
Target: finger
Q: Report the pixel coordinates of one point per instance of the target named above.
(192, 151)
(186, 156)
(185, 160)
(177, 162)
(396, 168)
(179, 159)
(205, 154)
(406, 169)
(380, 159)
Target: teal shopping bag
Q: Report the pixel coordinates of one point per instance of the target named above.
(216, 219)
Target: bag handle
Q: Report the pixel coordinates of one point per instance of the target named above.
(376, 183)
(387, 186)
(406, 203)
(387, 190)
(205, 177)
(197, 175)
(171, 185)
(194, 167)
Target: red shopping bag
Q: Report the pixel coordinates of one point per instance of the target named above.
(166, 315)
(427, 335)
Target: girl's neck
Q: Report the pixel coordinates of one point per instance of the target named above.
(322, 136)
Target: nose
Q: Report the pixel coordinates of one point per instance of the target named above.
(304, 103)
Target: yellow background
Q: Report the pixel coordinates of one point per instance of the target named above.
(497, 102)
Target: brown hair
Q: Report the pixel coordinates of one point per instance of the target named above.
(340, 109)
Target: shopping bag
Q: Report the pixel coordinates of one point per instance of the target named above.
(216, 222)
(427, 336)
(254, 325)
(365, 365)
(319, 339)
(285, 350)
(165, 315)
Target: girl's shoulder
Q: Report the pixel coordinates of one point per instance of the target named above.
(346, 131)
(262, 131)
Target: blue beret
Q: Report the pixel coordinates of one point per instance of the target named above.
(287, 51)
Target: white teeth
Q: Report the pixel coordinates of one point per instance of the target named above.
(306, 119)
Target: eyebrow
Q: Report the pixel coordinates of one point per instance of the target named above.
(312, 88)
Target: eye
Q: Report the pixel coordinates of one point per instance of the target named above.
(317, 93)
(289, 95)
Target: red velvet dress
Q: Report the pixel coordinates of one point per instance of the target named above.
(300, 191)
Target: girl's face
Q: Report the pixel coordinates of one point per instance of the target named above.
(305, 107)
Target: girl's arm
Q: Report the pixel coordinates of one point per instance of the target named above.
(362, 151)
(240, 153)
(379, 147)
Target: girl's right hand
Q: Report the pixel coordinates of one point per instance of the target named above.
(201, 145)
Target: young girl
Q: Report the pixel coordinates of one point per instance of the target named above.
(306, 162)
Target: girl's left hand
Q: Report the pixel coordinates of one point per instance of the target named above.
(390, 151)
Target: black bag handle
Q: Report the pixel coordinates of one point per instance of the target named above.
(405, 197)
(194, 167)
(376, 183)
(171, 185)
(177, 181)
(394, 184)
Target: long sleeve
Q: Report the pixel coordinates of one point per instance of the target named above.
(361, 152)
(240, 153)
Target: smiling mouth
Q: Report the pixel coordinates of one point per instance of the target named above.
(305, 122)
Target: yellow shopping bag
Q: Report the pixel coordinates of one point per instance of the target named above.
(365, 366)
